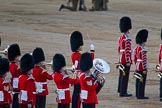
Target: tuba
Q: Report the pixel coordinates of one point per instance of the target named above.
(100, 67)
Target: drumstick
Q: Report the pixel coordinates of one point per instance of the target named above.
(90, 41)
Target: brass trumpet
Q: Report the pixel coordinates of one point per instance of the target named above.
(68, 68)
(122, 68)
(138, 76)
(157, 67)
(158, 70)
(160, 75)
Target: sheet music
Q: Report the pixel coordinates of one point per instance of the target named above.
(1, 96)
(15, 82)
(61, 94)
(24, 96)
(84, 94)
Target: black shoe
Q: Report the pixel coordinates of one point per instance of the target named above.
(81, 9)
(125, 95)
(61, 7)
(143, 97)
(160, 99)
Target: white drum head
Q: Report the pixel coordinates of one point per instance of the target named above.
(101, 65)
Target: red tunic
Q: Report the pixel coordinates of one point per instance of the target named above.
(62, 82)
(15, 72)
(5, 92)
(140, 58)
(27, 90)
(124, 49)
(41, 76)
(89, 85)
(160, 57)
(31, 88)
(75, 57)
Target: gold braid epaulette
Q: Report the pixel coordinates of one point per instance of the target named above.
(18, 66)
(43, 70)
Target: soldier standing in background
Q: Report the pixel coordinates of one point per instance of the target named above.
(140, 60)
(160, 62)
(124, 51)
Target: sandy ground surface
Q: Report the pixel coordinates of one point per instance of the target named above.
(33, 23)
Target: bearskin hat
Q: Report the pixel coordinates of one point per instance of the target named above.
(142, 36)
(125, 24)
(76, 40)
(4, 66)
(86, 62)
(26, 63)
(38, 55)
(58, 62)
(13, 52)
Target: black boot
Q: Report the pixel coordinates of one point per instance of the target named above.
(125, 95)
(143, 97)
(61, 7)
(160, 99)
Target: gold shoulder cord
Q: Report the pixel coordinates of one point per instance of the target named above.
(43, 70)
(18, 66)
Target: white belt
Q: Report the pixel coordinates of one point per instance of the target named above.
(14, 92)
(122, 50)
(66, 89)
(139, 60)
(42, 82)
(34, 92)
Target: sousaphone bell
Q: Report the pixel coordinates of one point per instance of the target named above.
(100, 67)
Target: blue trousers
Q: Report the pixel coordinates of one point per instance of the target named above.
(63, 105)
(140, 86)
(123, 80)
(76, 96)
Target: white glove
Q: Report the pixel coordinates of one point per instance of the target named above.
(92, 47)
